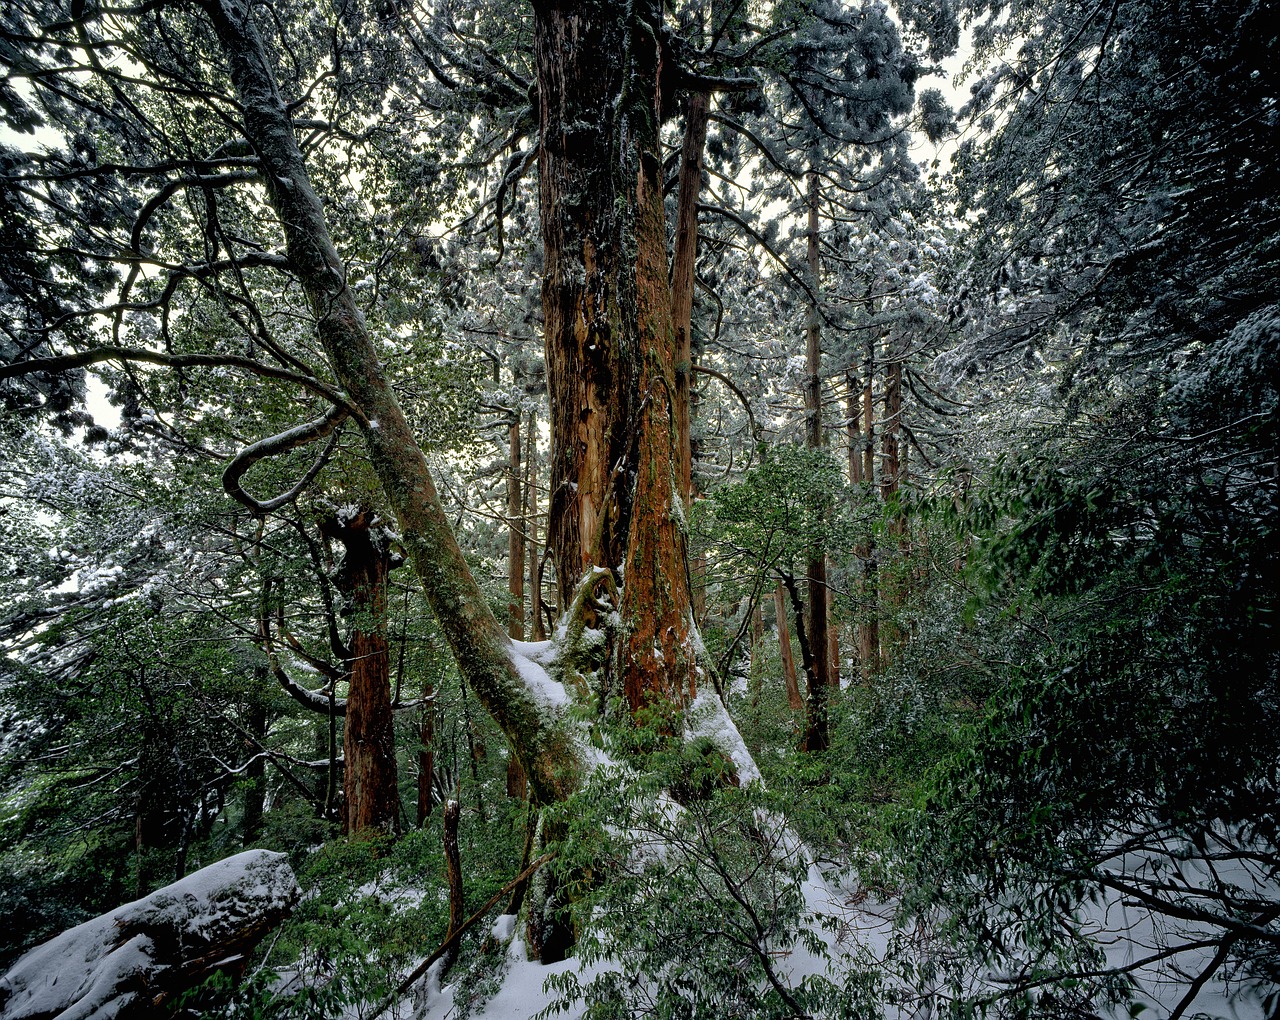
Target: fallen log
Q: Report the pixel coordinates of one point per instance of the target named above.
(135, 959)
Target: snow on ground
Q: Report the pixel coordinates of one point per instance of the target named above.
(860, 928)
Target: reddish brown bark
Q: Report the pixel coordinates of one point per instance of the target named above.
(588, 332)
(369, 781)
(660, 664)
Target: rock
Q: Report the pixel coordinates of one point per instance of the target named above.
(133, 960)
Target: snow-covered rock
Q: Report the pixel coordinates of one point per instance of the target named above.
(132, 960)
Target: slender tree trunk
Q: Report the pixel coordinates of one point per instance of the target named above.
(833, 647)
(891, 635)
(784, 648)
(683, 277)
(869, 624)
(255, 792)
(453, 872)
(516, 535)
(815, 733)
(537, 631)
(426, 750)
(372, 800)
(479, 644)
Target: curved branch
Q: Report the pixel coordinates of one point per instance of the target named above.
(755, 427)
(319, 700)
(165, 193)
(82, 359)
(300, 435)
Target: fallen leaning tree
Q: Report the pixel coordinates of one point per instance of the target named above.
(140, 957)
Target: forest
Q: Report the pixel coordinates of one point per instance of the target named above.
(692, 510)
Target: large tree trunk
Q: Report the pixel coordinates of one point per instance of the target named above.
(586, 188)
(478, 641)
(609, 335)
(369, 781)
(815, 731)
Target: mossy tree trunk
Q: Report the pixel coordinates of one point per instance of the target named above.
(478, 641)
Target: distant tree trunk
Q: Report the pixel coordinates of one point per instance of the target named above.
(869, 612)
(255, 774)
(833, 645)
(426, 750)
(683, 276)
(369, 782)
(815, 732)
(891, 635)
(784, 648)
(516, 535)
(537, 630)
(453, 872)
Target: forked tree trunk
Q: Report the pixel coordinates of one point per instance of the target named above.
(609, 335)
(478, 642)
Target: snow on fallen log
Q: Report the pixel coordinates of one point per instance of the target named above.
(132, 960)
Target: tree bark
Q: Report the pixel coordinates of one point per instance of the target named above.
(891, 635)
(815, 732)
(784, 648)
(683, 277)
(515, 534)
(479, 643)
(369, 781)
(585, 190)
(537, 631)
